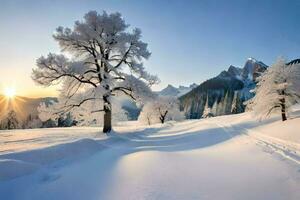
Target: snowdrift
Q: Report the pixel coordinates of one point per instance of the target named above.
(13, 165)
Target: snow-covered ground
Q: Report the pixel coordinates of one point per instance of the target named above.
(228, 157)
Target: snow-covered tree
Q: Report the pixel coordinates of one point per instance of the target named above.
(228, 102)
(32, 121)
(161, 109)
(207, 112)
(237, 104)
(10, 121)
(148, 115)
(220, 107)
(106, 61)
(49, 123)
(277, 90)
(215, 108)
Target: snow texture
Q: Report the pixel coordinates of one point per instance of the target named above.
(226, 157)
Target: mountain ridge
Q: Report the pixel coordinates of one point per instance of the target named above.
(171, 90)
(221, 91)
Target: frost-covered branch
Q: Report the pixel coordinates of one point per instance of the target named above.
(102, 51)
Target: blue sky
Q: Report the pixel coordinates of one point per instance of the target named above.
(190, 41)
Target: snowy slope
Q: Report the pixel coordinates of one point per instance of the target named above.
(228, 157)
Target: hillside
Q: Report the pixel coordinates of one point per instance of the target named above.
(225, 92)
(23, 106)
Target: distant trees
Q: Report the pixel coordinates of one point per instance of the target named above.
(223, 104)
(32, 121)
(277, 90)
(10, 121)
(50, 116)
(107, 61)
(66, 121)
(160, 110)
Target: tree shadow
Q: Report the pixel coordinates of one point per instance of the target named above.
(188, 140)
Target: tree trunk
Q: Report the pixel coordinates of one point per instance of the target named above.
(106, 99)
(149, 122)
(107, 121)
(163, 117)
(107, 115)
(283, 113)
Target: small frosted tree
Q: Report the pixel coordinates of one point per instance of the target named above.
(106, 61)
(207, 112)
(160, 110)
(148, 115)
(215, 108)
(237, 104)
(277, 90)
(10, 121)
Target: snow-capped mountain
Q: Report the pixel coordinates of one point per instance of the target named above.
(252, 69)
(230, 88)
(170, 90)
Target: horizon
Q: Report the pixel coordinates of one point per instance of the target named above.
(55, 95)
(245, 28)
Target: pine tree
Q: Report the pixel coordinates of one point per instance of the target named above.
(227, 103)
(277, 90)
(220, 107)
(214, 108)
(237, 104)
(207, 112)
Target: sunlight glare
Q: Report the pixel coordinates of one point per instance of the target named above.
(10, 92)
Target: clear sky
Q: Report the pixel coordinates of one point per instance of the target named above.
(190, 41)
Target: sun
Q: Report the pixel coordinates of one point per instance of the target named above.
(10, 92)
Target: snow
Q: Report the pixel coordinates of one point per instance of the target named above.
(30, 139)
(227, 157)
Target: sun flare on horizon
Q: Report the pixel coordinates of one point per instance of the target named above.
(10, 92)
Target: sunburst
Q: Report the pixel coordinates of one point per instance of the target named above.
(10, 92)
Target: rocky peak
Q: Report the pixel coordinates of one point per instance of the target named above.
(234, 71)
(252, 69)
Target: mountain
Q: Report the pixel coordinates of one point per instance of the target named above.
(226, 92)
(170, 90)
(252, 69)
